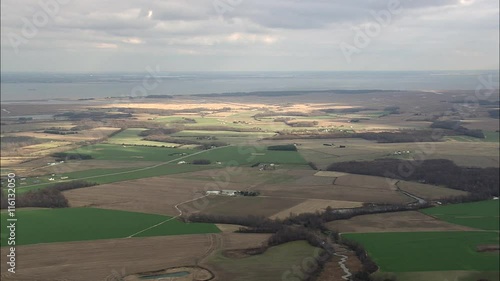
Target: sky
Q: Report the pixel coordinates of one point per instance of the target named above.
(248, 35)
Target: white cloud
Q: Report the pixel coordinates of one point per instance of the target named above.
(273, 35)
(106, 46)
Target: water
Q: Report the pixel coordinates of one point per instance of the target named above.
(38, 86)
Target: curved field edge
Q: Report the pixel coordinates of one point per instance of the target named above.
(429, 251)
(277, 263)
(79, 224)
(481, 215)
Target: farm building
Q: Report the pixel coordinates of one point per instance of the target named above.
(229, 192)
(213, 192)
(265, 167)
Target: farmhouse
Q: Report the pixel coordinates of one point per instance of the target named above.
(229, 192)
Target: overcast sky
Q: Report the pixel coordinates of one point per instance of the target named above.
(249, 35)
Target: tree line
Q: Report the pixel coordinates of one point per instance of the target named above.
(49, 197)
(482, 182)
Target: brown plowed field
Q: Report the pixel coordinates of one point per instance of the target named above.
(408, 221)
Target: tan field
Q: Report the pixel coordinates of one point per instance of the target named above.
(407, 221)
(314, 205)
(335, 192)
(101, 259)
(242, 206)
(87, 135)
(478, 154)
(98, 260)
(157, 195)
(362, 181)
(429, 192)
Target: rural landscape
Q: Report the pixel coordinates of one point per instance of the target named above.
(324, 185)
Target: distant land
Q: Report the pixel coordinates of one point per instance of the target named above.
(42, 86)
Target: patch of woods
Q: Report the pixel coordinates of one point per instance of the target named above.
(346, 110)
(269, 113)
(60, 131)
(494, 113)
(201, 162)
(63, 156)
(92, 115)
(258, 94)
(285, 147)
(184, 141)
(49, 197)
(248, 193)
(457, 129)
(482, 183)
(381, 137)
(299, 124)
(159, 97)
(392, 110)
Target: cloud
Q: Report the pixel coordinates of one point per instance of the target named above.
(106, 46)
(280, 34)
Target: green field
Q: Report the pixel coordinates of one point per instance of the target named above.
(227, 156)
(489, 136)
(103, 176)
(481, 215)
(247, 155)
(459, 275)
(78, 224)
(429, 251)
(271, 265)
(131, 153)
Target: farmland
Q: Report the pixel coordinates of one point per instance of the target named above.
(429, 251)
(131, 153)
(78, 224)
(409, 221)
(271, 265)
(278, 150)
(481, 215)
(131, 137)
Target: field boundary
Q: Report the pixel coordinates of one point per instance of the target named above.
(169, 219)
(131, 171)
